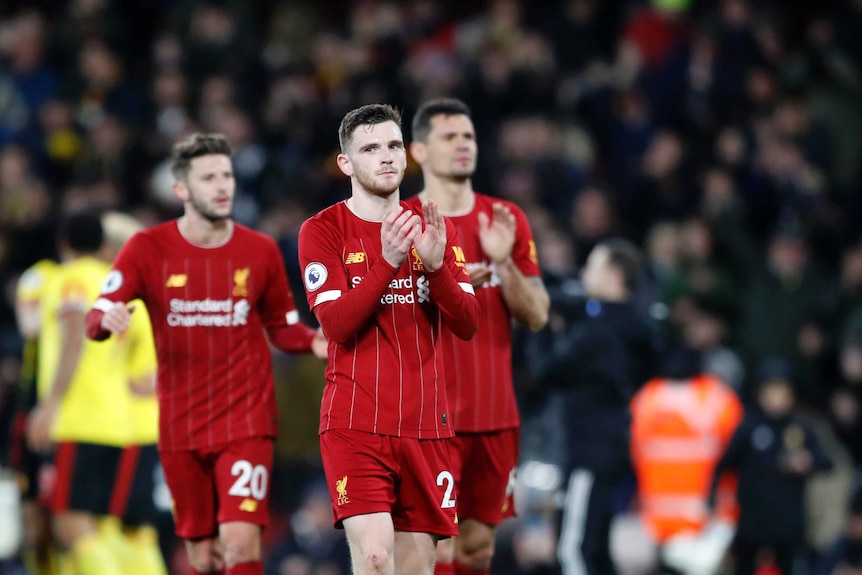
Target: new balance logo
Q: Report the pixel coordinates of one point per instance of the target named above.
(355, 258)
(176, 280)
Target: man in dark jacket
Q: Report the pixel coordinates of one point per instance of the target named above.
(774, 452)
(604, 352)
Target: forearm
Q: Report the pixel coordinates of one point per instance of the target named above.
(70, 354)
(343, 317)
(457, 303)
(295, 338)
(526, 297)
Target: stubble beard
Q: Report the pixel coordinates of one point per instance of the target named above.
(370, 185)
(207, 213)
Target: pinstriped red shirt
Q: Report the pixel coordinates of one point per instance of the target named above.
(479, 371)
(211, 308)
(386, 376)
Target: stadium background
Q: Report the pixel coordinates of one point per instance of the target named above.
(723, 136)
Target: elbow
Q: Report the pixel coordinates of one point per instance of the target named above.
(466, 332)
(467, 329)
(332, 330)
(337, 336)
(538, 320)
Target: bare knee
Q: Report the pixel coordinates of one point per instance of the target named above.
(204, 555)
(375, 558)
(475, 546)
(71, 526)
(240, 543)
(476, 558)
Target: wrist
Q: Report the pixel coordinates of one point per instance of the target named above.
(505, 262)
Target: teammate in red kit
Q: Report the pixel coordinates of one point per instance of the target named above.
(217, 294)
(501, 259)
(380, 278)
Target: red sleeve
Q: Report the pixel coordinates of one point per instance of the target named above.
(341, 311)
(452, 291)
(122, 284)
(277, 309)
(524, 252)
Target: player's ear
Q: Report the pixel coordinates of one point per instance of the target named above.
(345, 165)
(181, 191)
(418, 152)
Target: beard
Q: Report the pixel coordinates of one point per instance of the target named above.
(377, 188)
(208, 213)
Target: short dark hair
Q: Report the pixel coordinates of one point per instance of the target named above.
(195, 146)
(422, 119)
(370, 114)
(82, 231)
(626, 257)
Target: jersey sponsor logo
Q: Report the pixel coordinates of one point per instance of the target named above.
(240, 282)
(177, 280)
(421, 294)
(341, 489)
(315, 275)
(355, 258)
(208, 313)
(460, 258)
(112, 282)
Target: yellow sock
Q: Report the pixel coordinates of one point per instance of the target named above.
(148, 560)
(93, 557)
(111, 535)
(64, 564)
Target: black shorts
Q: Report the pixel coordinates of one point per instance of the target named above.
(133, 500)
(85, 477)
(27, 464)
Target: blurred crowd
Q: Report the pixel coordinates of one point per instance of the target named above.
(722, 136)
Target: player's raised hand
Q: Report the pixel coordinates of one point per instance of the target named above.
(116, 319)
(431, 243)
(497, 233)
(398, 231)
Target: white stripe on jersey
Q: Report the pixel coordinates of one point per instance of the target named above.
(467, 287)
(291, 317)
(326, 296)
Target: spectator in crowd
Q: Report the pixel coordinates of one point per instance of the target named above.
(774, 451)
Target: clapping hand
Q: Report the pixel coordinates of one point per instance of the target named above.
(497, 233)
(400, 227)
(431, 243)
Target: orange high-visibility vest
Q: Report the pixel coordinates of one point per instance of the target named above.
(679, 433)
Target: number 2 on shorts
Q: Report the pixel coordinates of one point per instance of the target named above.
(447, 478)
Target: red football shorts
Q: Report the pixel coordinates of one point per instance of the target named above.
(484, 467)
(411, 479)
(210, 487)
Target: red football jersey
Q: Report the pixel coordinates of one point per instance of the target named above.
(385, 373)
(211, 307)
(479, 371)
